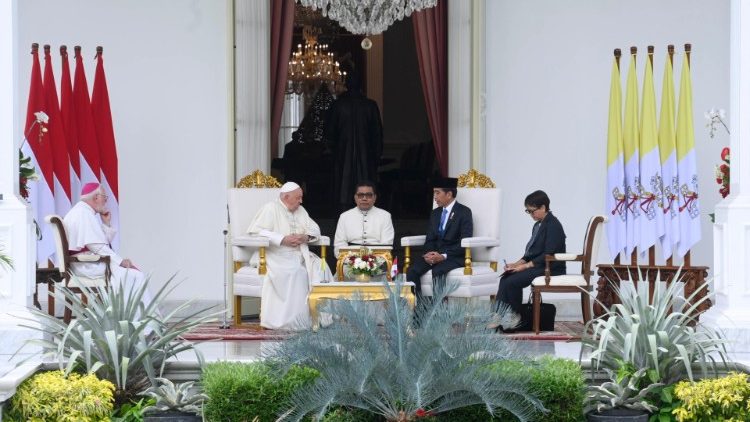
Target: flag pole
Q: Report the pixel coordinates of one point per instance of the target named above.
(688, 49)
(618, 54)
(670, 50)
(650, 49)
(633, 254)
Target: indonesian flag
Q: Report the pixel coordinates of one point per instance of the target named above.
(105, 135)
(616, 203)
(630, 144)
(56, 136)
(689, 210)
(668, 152)
(651, 226)
(90, 170)
(69, 124)
(37, 146)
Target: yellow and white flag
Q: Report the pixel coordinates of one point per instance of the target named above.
(689, 210)
(616, 201)
(649, 186)
(668, 152)
(630, 137)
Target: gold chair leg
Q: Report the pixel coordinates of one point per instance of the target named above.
(237, 310)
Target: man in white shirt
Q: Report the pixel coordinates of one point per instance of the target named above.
(87, 226)
(364, 224)
(290, 265)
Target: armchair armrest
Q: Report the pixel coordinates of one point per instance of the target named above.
(413, 240)
(565, 257)
(480, 241)
(251, 241)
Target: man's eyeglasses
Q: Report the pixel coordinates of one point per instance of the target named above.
(530, 211)
(363, 195)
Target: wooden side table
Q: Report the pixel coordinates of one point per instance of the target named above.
(348, 289)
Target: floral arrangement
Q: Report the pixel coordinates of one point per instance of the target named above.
(364, 263)
(722, 173)
(715, 121)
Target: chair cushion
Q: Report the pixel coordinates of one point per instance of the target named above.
(483, 282)
(561, 280)
(247, 282)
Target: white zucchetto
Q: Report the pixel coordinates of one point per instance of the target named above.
(289, 186)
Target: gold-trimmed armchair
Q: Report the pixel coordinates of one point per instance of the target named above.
(243, 202)
(478, 277)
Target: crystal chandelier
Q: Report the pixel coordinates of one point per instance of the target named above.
(313, 63)
(367, 17)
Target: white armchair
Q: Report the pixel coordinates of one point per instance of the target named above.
(479, 276)
(244, 201)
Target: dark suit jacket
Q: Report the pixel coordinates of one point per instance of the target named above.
(550, 239)
(459, 225)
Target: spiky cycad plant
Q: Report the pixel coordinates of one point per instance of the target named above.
(401, 371)
(117, 337)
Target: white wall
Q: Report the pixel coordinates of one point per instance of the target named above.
(548, 70)
(167, 65)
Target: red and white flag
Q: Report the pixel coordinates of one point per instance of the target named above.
(37, 146)
(105, 136)
(56, 137)
(69, 124)
(87, 144)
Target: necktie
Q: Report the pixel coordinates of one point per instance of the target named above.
(441, 228)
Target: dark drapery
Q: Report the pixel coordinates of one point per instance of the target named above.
(431, 37)
(282, 25)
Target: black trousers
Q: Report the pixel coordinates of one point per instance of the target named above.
(510, 289)
(420, 267)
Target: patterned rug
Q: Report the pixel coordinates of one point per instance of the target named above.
(564, 331)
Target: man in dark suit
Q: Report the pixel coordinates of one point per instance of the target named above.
(449, 223)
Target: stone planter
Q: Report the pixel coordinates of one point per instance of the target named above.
(172, 416)
(618, 415)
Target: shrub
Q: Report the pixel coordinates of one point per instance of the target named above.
(719, 399)
(241, 391)
(558, 383)
(51, 396)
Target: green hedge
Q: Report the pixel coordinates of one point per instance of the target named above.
(241, 391)
(558, 383)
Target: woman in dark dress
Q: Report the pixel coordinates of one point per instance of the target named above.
(547, 238)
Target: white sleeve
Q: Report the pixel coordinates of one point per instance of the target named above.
(387, 232)
(275, 238)
(104, 249)
(110, 232)
(339, 239)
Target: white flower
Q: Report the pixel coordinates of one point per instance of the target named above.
(41, 117)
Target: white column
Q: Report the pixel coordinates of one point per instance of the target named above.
(252, 87)
(732, 229)
(459, 87)
(16, 224)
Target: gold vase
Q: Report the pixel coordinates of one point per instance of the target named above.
(362, 278)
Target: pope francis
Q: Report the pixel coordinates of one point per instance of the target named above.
(290, 265)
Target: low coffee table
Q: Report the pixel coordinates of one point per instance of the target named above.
(374, 290)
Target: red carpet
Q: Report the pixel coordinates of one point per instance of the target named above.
(564, 331)
(248, 331)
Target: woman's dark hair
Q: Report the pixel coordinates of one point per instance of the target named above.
(537, 199)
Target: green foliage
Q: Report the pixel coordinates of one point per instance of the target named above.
(719, 399)
(171, 396)
(53, 396)
(626, 392)
(5, 260)
(558, 383)
(344, 414)
(654, 336)
(241, 391)
(117, 337)
(132, 411)
(401, 371)
(666, 403)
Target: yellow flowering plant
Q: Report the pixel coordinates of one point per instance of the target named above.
(716, 399)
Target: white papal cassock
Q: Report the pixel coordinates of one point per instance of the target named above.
(85, 230)
(371, 227)
(289, 269)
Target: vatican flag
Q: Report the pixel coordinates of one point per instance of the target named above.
(616, 201)
(689, 210)
(668, 152)
(649, 188)
(630, 144)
